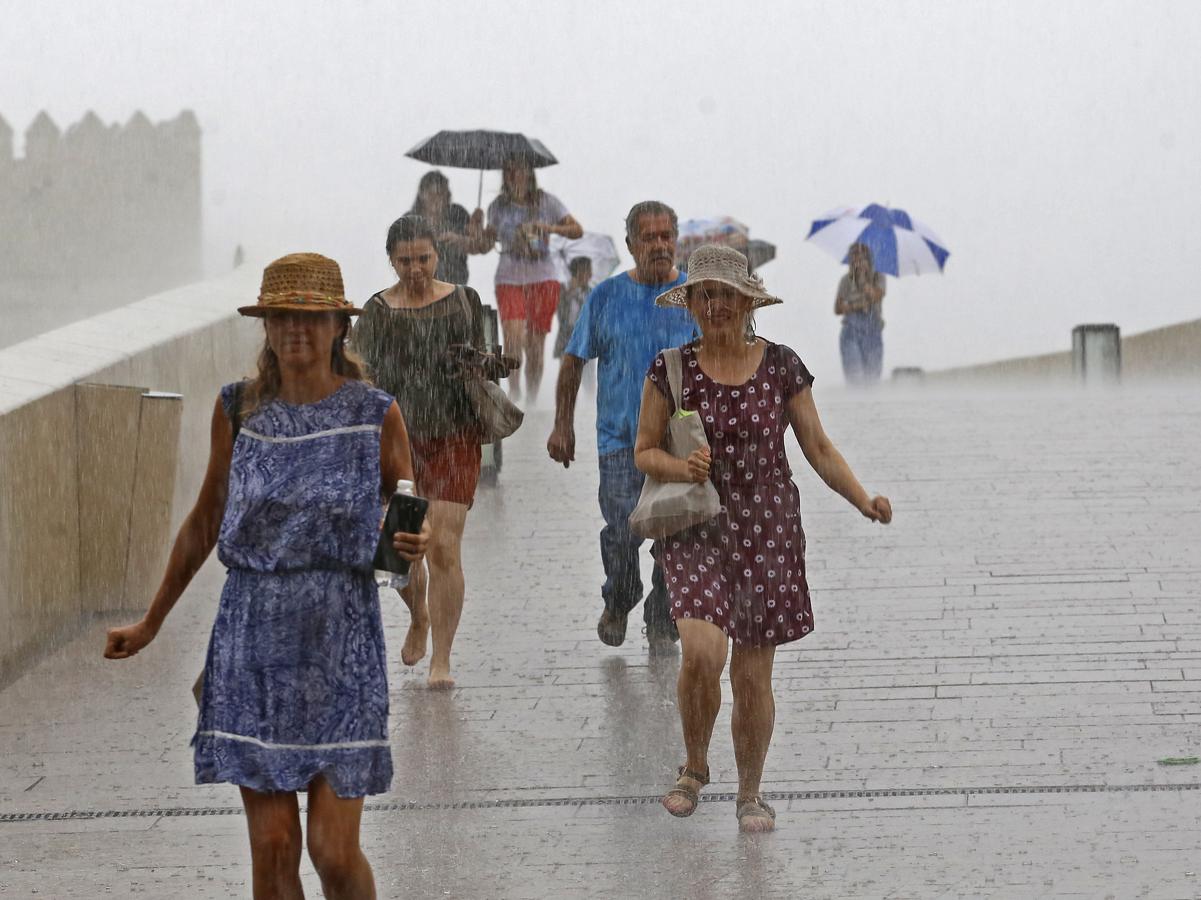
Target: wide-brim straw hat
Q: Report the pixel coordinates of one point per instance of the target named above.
(715, 262)
(303, 282)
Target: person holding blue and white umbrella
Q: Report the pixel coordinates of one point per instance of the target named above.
(860, 302)
(874, 241)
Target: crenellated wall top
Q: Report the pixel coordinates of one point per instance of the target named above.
(44, 138)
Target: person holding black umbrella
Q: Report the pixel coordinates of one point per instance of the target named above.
(457, 233)
(522, 219)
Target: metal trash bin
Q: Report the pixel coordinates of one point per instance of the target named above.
(491, 454)
(1097, 354)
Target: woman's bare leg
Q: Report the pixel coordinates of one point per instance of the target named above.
(698, 692)
(446, 587)
(334, 844)
(273, 820)
(535, 347)
(754, 717)
(514, 333)
(414, 596)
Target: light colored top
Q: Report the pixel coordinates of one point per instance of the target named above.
(852, 293)
(522, 261)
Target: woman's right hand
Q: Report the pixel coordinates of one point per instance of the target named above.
(126, 641)
(698, 465)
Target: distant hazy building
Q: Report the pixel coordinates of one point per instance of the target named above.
(97, 215)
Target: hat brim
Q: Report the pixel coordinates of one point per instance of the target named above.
(258, 311)
(678, 295)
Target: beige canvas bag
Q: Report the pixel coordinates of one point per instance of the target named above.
(667, 507)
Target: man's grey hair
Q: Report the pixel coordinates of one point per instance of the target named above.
(649, 208)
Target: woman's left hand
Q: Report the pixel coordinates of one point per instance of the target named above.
(412, 546)
(878, 509)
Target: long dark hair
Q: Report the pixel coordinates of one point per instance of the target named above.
(430, 179)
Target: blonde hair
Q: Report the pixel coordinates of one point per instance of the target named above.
(264, 387)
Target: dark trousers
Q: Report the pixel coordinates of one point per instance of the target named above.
(620, 485)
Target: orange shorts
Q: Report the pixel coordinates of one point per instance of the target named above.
(447, 468)
(535, 303)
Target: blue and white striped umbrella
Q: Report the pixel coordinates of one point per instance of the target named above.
(899, 245)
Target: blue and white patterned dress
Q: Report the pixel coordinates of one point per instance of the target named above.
(295, 680)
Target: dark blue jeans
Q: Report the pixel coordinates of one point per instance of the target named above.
(862, 346)
(620, 485)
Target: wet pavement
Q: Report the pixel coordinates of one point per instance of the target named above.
(980, 713)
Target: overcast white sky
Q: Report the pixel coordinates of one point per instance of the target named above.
(1054, 146)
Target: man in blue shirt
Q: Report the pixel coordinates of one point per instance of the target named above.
(624, 330)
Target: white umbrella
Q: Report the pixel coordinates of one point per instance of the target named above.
(597, 247)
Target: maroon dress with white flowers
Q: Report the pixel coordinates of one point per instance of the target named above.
(744, 570)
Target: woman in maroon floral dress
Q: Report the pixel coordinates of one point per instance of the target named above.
(741, 576)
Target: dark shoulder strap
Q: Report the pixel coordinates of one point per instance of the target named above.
(475, 317)
(235, 420)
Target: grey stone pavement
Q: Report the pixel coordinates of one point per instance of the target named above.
(980, 712)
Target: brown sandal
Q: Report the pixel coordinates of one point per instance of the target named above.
(687, 793)
(752, 809)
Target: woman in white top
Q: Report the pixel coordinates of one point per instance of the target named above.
(522, 218)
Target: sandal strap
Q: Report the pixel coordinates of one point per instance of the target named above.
(700, 778)
(687, 793)
(754, 806)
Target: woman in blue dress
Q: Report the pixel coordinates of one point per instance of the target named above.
(295, 694)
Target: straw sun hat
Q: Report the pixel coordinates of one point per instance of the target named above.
(306, 282)
(714, 262)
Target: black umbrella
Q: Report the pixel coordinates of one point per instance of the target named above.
(759, 252)
(481, 150)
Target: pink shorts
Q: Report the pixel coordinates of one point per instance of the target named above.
(535, 303)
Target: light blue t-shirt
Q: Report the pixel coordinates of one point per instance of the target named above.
(623, 329)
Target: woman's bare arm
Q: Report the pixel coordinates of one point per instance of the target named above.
(478, 239)
(395, 454)
(396, 464)
(196, 539)
(484, 241)
(567, 227)
(827, 462)
(649, 455)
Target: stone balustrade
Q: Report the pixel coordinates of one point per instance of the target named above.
(99, 462)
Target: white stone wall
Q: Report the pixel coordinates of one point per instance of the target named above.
(189, 341)
(94, 216)
(101, 201)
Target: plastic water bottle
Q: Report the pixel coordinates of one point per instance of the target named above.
(394, 580)
(406, 511)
